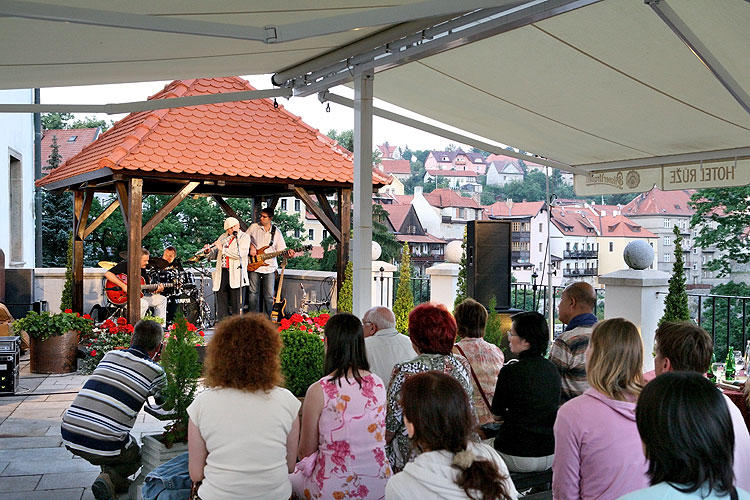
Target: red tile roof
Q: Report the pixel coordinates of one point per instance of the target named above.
(418, 238)
(245, 139)
(70, 142)
(499, 208)
(452, 173)
(395, 166)
(623, 227)
(386, 150)
(658, 202)
(397, 214)
(574, 222)
(403, 198)
(442, 198)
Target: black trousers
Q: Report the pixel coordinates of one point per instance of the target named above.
(227, 297)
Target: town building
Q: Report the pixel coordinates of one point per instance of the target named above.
(502, 170)
(70, 142)
(426, 249)
(456, 160)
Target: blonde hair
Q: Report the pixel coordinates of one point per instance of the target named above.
(614, 365)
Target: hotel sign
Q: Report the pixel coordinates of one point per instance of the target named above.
(713, 174)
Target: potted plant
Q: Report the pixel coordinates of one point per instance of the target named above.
(303, 351)
(53, 339)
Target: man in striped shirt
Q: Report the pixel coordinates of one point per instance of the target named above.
(97, 425)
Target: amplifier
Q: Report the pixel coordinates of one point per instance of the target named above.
(9, 380)
(10, 345)
(10, 349)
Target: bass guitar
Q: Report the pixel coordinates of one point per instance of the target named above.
(256, 261)
(118, 296)
(279, 304)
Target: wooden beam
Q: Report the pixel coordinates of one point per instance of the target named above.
(345, 212)
(122, 197)
(135, 217)
(318, 212)
(273, 202)
(326, 206)
(168, 207)
(229, 211)
(77, 253)
(102, 217)
(83, 217)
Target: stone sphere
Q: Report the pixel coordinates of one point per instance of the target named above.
(638, 255)
(376, 250)
(453, 252)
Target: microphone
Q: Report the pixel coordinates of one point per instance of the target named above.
(234, 233)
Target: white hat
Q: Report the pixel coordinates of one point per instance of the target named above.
(230, 222)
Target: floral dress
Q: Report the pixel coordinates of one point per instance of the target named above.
(350, 462)
(399, 449)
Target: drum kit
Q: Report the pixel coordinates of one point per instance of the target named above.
(180, 288)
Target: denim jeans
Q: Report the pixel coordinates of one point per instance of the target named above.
(260, 282)
(169, 481)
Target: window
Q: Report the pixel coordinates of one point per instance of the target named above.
(667, 224)
(296, 206)
(516, 227)
(283, 204)
(695, 251)
(667, 257)
(516, 246)
(72, 138)
(311, 234)
(611, 246)
(16, 205)
(567, 246)
(297, 233)
(540, 228)
(667, 241)
(461, 213)
(540, 246)
(695, 266)
(325, 233)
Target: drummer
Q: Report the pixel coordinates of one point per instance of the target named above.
(170, 255)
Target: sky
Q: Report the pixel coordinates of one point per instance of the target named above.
(308, 108)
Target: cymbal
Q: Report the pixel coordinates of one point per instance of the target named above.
(105, 264)
(196, 258)
(158, 262)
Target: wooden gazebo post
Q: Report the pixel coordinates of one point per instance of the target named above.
(81, 206)
(130, 195)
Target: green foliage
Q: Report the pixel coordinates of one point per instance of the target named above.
(490, 194)
(390, 247)
(439, 182)
(45, 325)
(404, 296)
(618, 199)
(714, 316)
(65, 121)
(301, 360)
(722, 217)
(66, 299)
(182, 368)
(345, 138)
(493, 332)
(461, 282)
(57, 218)
(676, 304)
(346, 295)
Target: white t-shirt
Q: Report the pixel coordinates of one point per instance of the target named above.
(261, 238)
(245, 434)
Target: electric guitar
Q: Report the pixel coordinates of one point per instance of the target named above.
(258, 260)
(279, 304)
(118, 296)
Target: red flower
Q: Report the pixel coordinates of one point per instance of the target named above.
(68, 310)
(86, 316)
(303, 328)
(113, 331)
(108, 324)
(122, 321)
(296, 318)
(285, 323)
(93, 353)
(191, 327)
(201, 333)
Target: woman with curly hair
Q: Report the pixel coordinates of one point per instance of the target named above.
(244, 429)
(342, 446)
(597, 448)
(450, 465)
(432, 331)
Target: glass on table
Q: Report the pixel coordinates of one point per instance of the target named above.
(719, 371)
(739, 362)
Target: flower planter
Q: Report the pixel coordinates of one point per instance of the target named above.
(55, 354)
(153, 454)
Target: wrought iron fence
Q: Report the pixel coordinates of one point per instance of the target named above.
(388, 287)
(528, 297)
(724, 317)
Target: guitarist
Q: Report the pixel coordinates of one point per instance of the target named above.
(155, 299)
(264, 236)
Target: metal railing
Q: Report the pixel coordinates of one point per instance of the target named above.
(724, 317)
(583, 271)
(580, 254)
(420, 288)
(528, 297)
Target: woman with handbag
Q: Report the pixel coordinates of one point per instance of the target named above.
(527, 396)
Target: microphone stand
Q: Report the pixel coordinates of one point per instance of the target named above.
(239, 266)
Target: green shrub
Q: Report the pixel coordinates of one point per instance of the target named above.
(404, 296)
(301, 360)
(344, 302)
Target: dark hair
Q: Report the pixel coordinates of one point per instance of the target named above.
(432, 328)
(345, 347)
(687, 433)
(144, 251)
(532, 327)
(171, 249)
(687, 346)
(243, 354)
(268, 211)
(438, 407)
(147, 335)
(471, 318)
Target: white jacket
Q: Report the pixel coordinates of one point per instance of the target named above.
(237, 261)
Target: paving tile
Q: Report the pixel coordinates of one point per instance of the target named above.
(66, 494)
(8, 430)
(48, 467)
(35, 454)
(18, 483)
(69, 480)
(3, 466)
(61, 397)
(42, 405)
(11, 443)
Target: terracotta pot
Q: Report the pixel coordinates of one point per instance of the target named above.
(54, 355)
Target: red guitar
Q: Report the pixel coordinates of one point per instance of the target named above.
(118, 296)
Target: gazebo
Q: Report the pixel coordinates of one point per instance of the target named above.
(252, 149)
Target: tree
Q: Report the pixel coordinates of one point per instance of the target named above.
(57, 218)
(92, 122)
(404, 296)
(66, 299)
(345, 138)
(480, 151)
(51, 121)
(722, 218)
(461, 293)
(440, 182)
(346, 295)
(389, 246)
(490, 194)
(676, 304)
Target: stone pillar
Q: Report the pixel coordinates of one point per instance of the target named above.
(638, 296)
(443, 283)
(383, 284)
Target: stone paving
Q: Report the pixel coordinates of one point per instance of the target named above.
(34, 465)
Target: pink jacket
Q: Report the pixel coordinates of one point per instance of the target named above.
(598, 452)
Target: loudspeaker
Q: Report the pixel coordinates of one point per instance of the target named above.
(10, 348)
(19, 289)
(488, 262)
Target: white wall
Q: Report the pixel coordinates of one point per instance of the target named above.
(17, 139)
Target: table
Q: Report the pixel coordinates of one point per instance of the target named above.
(738, 398)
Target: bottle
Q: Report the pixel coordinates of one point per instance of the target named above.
(747, 357)
(729, 371)
(711, 376)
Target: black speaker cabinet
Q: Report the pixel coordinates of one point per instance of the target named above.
(19, 291)
(488, 262)
(9, 368)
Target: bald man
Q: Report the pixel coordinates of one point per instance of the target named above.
(384, 346)
(568, 353)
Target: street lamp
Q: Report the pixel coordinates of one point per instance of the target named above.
(534, 276)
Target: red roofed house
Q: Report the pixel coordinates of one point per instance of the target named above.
(444, 213)
(426, 249)
(659, 211)
(465, 180)
(456, 160)
(235, 149)
(574, 238)
(401, 169)
(615, 232)
(70, 142)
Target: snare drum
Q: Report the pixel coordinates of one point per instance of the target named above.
(170, 278)
(187, 281)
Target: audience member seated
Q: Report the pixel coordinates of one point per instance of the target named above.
(439, 421)
(597, 449)
(385, 346)
(687, 438)
(684, 346)
(527, 397)
(568, 353)
(485, 359)
(244, 429)
(432, 331)
(342, 445)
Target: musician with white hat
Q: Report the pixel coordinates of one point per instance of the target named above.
(229, 276)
